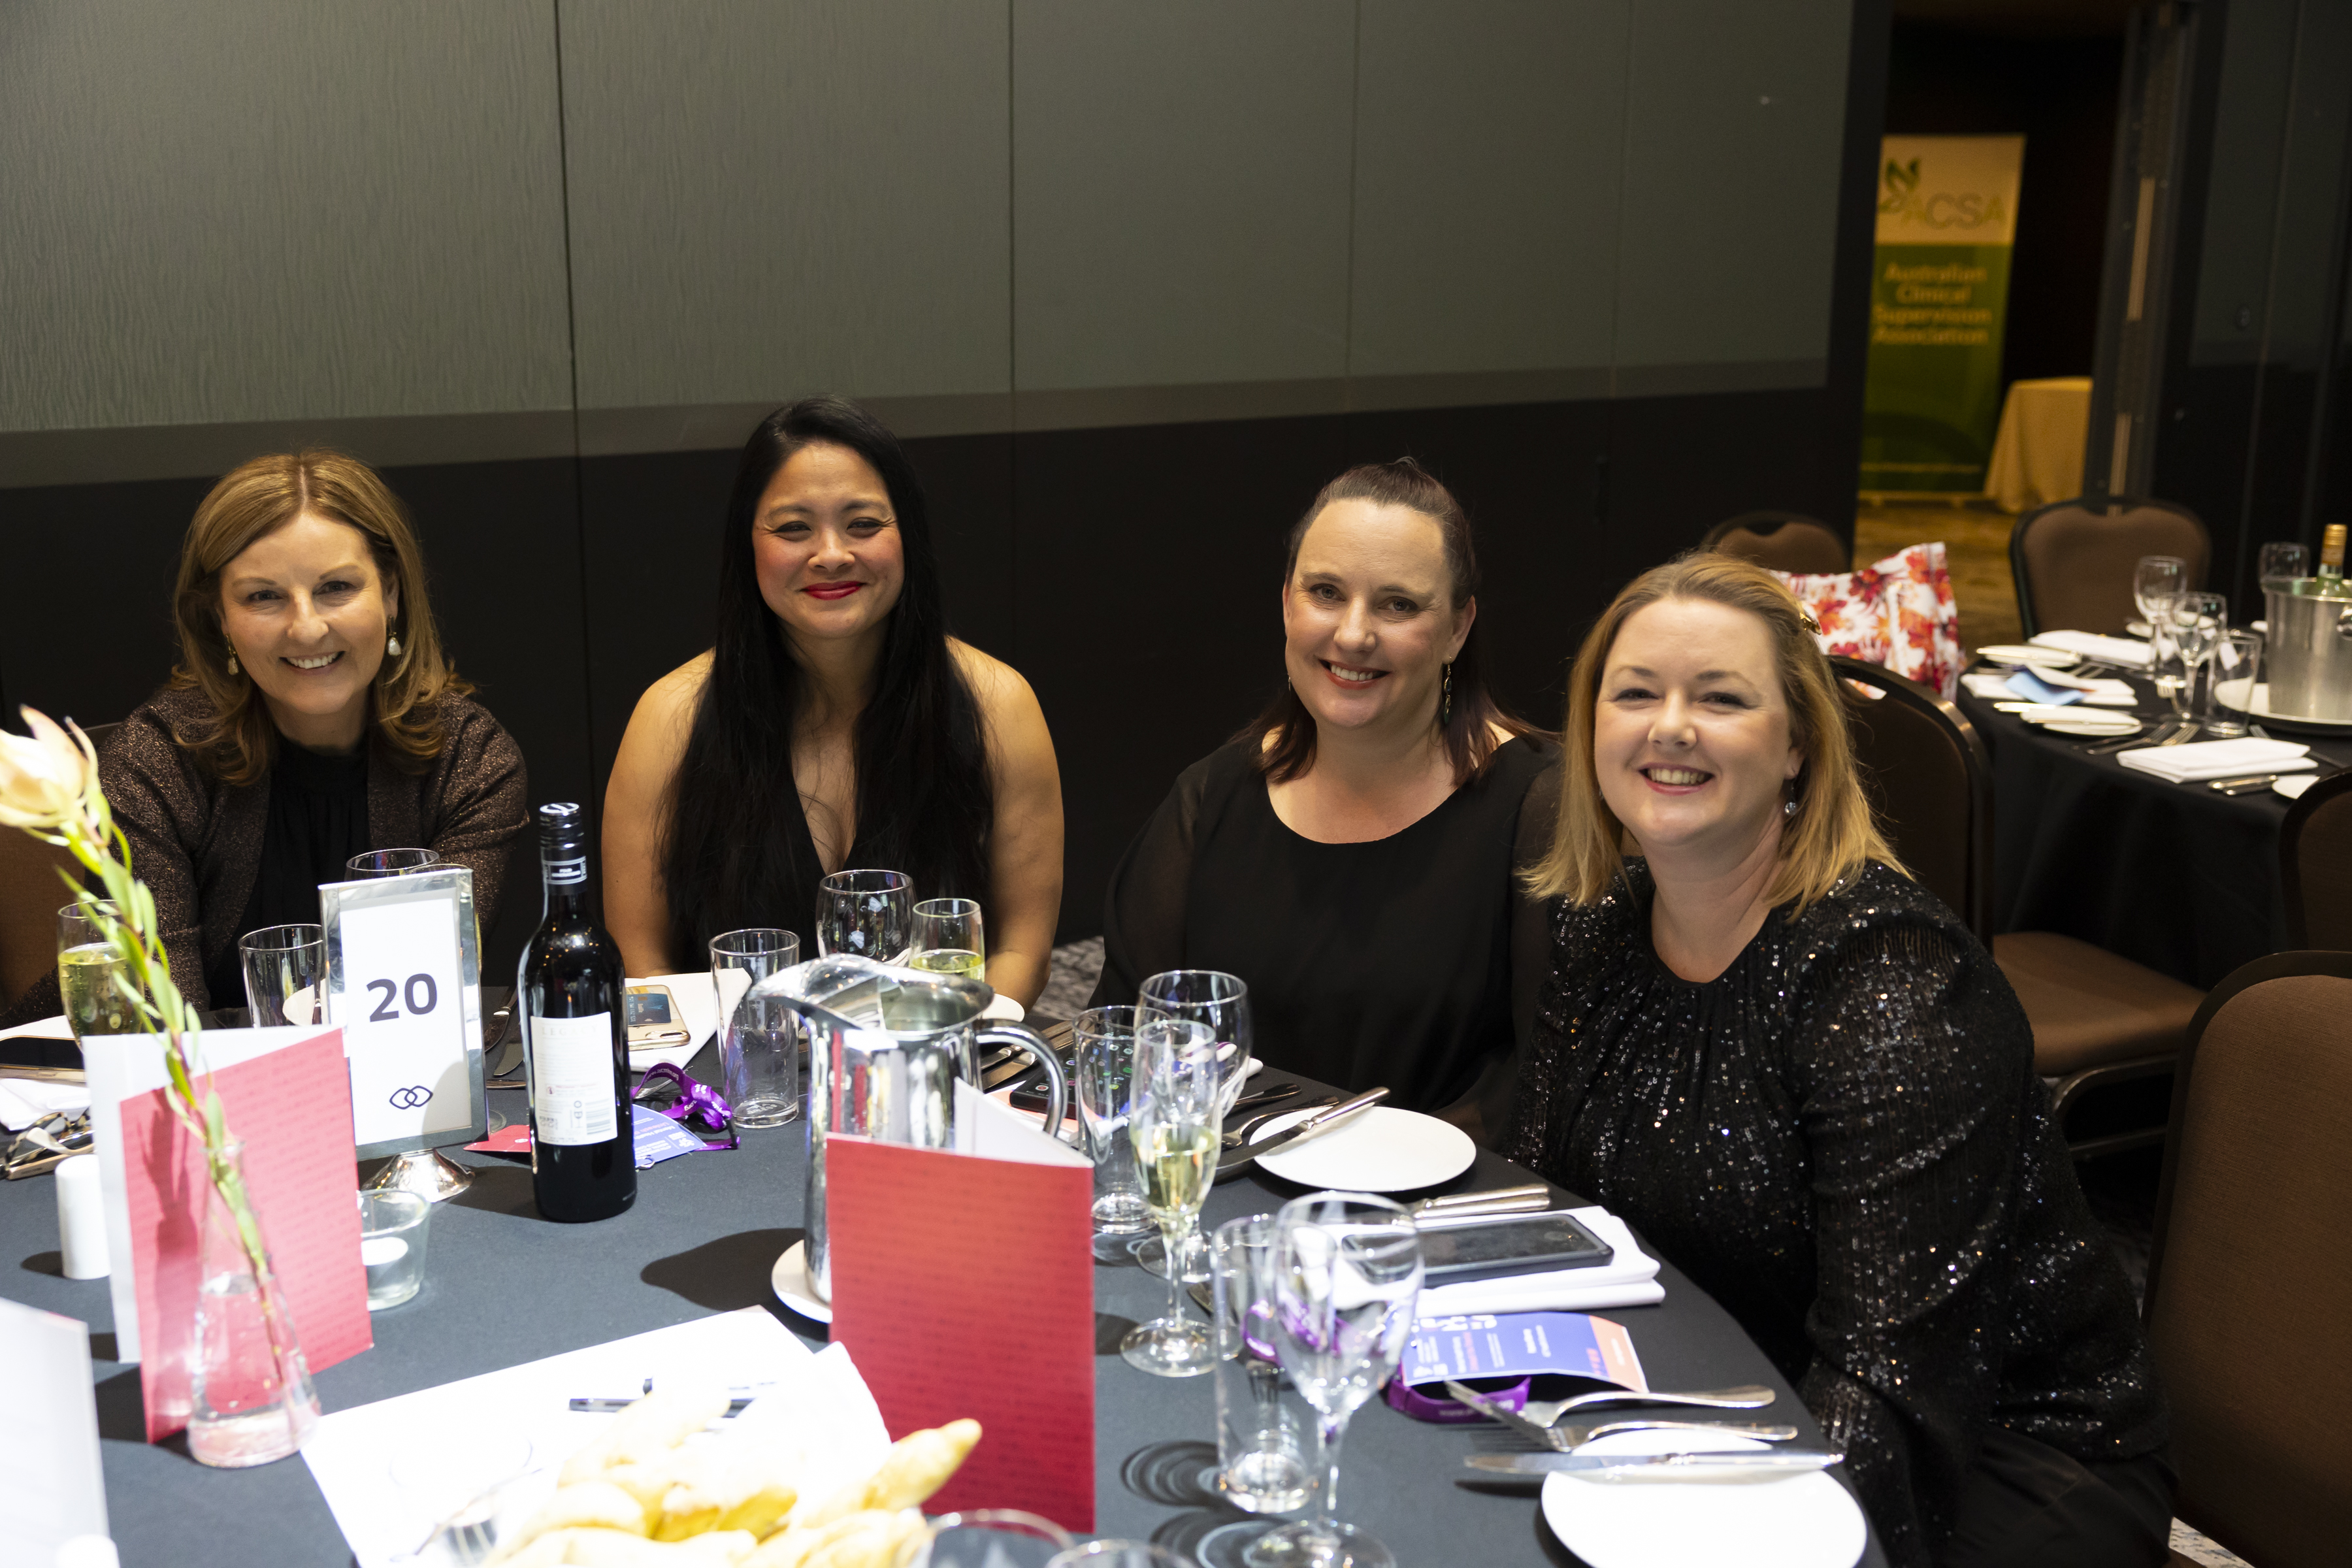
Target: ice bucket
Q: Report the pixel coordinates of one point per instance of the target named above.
(2308, 651)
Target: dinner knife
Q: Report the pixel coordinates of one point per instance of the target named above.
(1484, 1204)
(2249, 784)
(1298, 1133)
(1752, 1461)
(2163, 732)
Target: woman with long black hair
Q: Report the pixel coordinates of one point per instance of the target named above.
(834, 724)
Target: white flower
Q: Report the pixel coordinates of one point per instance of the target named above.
(43, 775)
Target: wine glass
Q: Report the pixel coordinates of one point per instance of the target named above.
(1347, 1279)
(2156, 581)
(869, 914)
(392, 863)
(1173, 1122)
(92, 977)
(1220, 1001)
(2198, 619)
(2284, 559)
(949, 939)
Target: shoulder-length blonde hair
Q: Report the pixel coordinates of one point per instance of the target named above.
(238, 739)
(1830, 834)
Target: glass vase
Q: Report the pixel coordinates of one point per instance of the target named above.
(249, 1389)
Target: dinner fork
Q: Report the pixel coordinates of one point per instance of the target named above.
(1567, 1439)
(1747, 1396)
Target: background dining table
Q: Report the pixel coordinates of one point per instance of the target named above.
(504, 1286)
(2172, 876)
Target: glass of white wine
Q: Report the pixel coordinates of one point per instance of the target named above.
(1173, 1122)
(92, 976)
(949, 939)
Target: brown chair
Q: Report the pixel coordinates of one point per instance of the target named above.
(2248, 1279)
(2098, 1020)
(2071, 560)
(2316, 866)
(1783, 541)
(30, 897)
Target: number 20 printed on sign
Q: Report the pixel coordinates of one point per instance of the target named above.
(405, 1031)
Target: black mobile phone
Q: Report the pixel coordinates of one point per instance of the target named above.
(1034, 1095)
(1474, 1248)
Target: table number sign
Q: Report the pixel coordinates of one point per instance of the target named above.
(404, 981)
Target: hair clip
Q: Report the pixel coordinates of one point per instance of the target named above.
(1811, 625)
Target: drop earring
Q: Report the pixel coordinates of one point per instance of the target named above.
(1446, 702)
(231, 661)
(1788, 806)
(392, 646)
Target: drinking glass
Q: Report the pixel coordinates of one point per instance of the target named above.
(991, 1538)
(1106, 1077)
(1222, 1002)
(285, 971)
(2237, 656)
(1266, 1436)
(91, 977)
(1117, 1554)
(868, 913)
(2198, 621)
(2156, 581)
(949, 939)
(1174, 1123)
(1347, 1274)
(758, 1039)
(2284, 559)
(392, 1225)
(392, 863)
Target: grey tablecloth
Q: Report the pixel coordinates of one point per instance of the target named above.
(2171, 876)
(504, 1286)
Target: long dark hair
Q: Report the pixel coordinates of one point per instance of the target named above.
(1468, 732)
(729, 856)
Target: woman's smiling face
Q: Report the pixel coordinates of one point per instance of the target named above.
(825, 545)
(306, 610)
(1367, 615)
(1691, 730)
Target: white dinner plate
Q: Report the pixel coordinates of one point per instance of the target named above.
(2026, 653)
(789, 1280)
(1676, 1522)
(2294, 784)
(2073, 718)
(2231, 694)
(1382, 1150)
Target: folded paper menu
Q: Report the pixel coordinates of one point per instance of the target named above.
(287, 1095)
(2220, 759)
(963, 1283)
(2128, 651)
(1629, 1279)
(390, 1470)
(1521, 1344)
(52, 1487)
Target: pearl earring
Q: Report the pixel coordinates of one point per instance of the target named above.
(231, 661)
(392, 646)
(1788, 806)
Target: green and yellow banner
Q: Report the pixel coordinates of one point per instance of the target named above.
(1946, 215)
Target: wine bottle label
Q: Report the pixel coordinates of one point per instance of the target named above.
(572, 1079)
(568, 873)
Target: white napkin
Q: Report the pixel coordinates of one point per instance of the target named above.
(1990, 685)
(2218, 759)
(25, 1100)
(2108, 650)
(2100, 691)
(1628, 1279)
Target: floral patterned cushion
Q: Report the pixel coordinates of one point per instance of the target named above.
(1898, 613)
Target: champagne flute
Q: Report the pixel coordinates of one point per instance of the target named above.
(2157, 582)
(1173, 1122)
(1347, 1279)
(868, 914)
(92, 977)
(1220, 1001)
(2198, 622)
(949, 939)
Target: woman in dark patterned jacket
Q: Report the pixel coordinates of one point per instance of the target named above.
(313, 716)
(1797, 1074)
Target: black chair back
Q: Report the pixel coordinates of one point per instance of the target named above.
(1783, 541)
(2071, 560)
(2316, 866)
(1930, 779)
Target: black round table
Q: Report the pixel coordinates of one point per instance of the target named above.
(2171, 876)
(503, 1287)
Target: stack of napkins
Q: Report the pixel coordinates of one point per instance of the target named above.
(1628, 1279)
(2106, 651)
(2220, 759)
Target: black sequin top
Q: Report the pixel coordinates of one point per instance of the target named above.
(1842, 1139)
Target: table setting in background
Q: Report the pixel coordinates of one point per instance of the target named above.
(2141, 776)
(1108, 1277)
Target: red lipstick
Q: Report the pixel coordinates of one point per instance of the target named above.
(830, 591)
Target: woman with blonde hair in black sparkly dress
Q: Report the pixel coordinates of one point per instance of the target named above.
(1796, 1073)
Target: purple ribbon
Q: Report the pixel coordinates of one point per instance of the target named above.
(695, 1105)
(1442, 1407)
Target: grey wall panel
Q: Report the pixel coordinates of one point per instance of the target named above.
(1180, 191)
(1489, 151)
(771, 200)
(263, 210)
(2250, 137)
(1732, 154)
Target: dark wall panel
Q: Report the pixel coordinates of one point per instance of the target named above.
(1678, 466)
(1150, 567)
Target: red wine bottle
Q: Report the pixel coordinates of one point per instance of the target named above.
(568, 992)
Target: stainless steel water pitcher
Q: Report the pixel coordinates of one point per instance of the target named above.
(2308, 651)
(885, 1047)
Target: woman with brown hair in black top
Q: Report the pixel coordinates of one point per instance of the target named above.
(1348, 855)
(312, 717)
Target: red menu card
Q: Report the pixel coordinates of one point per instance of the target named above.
(292, 1109)
(963, 1286)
